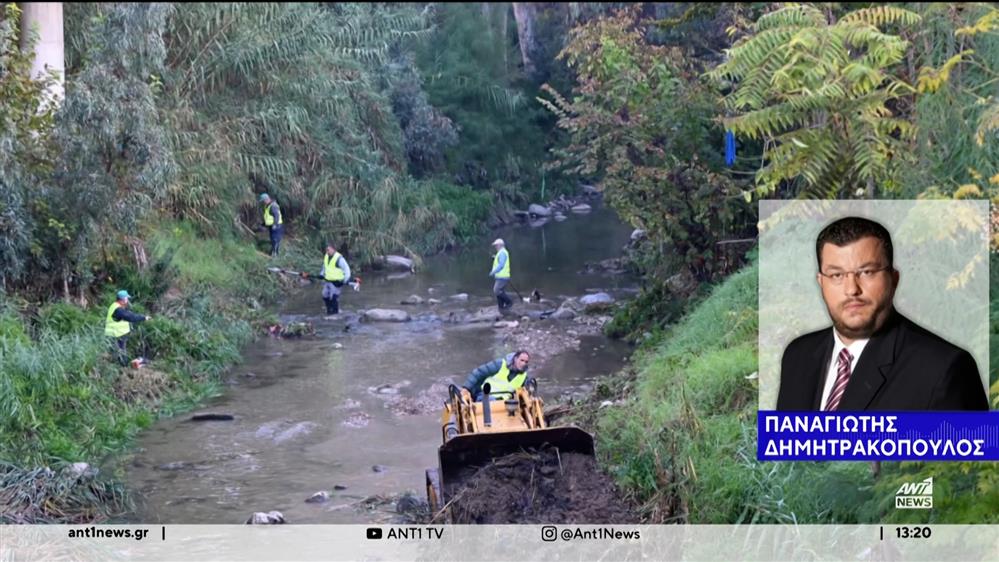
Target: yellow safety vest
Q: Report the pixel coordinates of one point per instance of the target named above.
(505, 272)
(114, 328)
(500, 385)
(269, 218)
(331, 271)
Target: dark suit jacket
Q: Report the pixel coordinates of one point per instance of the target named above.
(903, 367)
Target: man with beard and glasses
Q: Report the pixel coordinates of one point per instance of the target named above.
(872, 357)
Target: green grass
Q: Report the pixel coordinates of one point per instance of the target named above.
(63, 399)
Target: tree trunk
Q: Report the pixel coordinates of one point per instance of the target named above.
(504, 21)
(524, 13)
(45, 18)
(66, 297)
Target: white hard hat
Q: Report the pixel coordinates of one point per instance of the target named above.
(498, 242)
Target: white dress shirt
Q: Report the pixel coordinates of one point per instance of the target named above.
(856, 348)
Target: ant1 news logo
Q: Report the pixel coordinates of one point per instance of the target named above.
(915, 495)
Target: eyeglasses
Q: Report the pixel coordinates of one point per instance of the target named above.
(864, 276)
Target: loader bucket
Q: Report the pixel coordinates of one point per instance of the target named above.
(462, 454)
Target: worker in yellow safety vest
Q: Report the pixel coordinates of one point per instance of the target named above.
(273, 221)
(118, 324)
(335, 274)
(501, 273)
(504, 375)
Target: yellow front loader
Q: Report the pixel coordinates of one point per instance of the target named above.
(473, 435)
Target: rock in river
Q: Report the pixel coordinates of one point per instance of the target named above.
(270, 518)
(385, 315)
(598, 301)
(539, 210)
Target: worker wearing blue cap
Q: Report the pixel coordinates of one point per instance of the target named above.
(273, 221)
(119, 323)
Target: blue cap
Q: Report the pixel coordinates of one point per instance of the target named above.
(123, 294)
(264, 197)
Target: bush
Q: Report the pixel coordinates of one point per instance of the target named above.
(66, 319)
(654, 309)
(469, 208)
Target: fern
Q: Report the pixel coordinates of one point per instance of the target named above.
(818, 95)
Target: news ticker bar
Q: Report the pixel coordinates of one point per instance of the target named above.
(877, 436)
(193, 543)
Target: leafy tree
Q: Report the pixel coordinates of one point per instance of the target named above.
(640, 124)
(25, 146)
(954, 60)
(115, 161)
(824, 96)
(471, 75)
(427, 132)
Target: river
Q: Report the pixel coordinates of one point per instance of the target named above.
(308, 412)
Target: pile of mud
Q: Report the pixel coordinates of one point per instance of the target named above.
(538, 487)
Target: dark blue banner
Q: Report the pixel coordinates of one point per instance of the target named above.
(877, 436)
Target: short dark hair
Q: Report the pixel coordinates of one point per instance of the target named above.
(520, 352)
(850, 229)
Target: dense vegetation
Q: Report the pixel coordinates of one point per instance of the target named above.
(826, 102)
(408, 128)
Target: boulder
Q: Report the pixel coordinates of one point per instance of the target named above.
(539, 210)
(564, 313)
(506, 324)
(379, 468)
(318, 497)
(270, 518)
(637, 234)
(581, 208)
(521, 214)
(559, 217)
(538, 222)
(463, 297)
(590, 190)
(385, 315)
(598, 301)
(433, 301)
(398, 262)
(412, 299)
(572, 304)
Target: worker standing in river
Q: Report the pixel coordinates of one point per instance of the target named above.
(501, 273)
(335, 273)
(273, 221)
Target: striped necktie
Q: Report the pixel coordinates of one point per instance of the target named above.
(842, 378)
